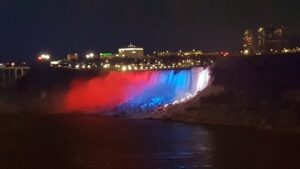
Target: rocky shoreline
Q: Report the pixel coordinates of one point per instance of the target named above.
(200, 111)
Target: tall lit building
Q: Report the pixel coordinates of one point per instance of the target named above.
(262, 40)
(131, 52)
(248, 43)
(276, 39)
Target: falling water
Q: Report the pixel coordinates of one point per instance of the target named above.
(133, 92)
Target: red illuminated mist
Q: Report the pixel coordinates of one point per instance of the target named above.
(106, 92)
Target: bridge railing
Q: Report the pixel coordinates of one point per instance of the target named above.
(8, 75)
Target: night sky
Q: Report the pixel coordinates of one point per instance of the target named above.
(29, 27)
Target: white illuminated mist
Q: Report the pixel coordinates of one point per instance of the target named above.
(201, 79)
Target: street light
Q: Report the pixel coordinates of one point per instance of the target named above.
(90, 56)
(44, 57)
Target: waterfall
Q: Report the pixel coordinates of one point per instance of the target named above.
(168, 87)
(136, 92)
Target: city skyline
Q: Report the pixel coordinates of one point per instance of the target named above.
(32, 27)
(265, 40)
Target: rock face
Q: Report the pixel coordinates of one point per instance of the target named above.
(255, 92)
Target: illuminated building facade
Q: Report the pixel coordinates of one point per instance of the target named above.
(72, 57)
(248, 43)
(262, 40)
(106, 55)
(131, 52)
(276, 39)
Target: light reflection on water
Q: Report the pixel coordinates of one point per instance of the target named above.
(97, 142)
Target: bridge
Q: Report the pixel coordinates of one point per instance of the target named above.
(8, 75)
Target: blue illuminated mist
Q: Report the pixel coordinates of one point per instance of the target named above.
(167, 87)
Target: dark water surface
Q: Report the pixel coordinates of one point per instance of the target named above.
(92, 142)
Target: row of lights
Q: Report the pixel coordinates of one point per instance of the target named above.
(285, 50)
(131, 67)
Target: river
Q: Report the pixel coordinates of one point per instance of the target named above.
(93, 142)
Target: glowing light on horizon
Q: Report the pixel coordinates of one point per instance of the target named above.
(44, 57)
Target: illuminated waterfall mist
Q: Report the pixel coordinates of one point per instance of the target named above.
(135, 92)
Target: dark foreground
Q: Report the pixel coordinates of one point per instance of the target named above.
(92, 142)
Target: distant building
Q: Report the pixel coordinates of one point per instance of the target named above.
(262, 40)
(106, 55)
(131, 52)
(72, 57)
(276, 39)
(248, 43)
